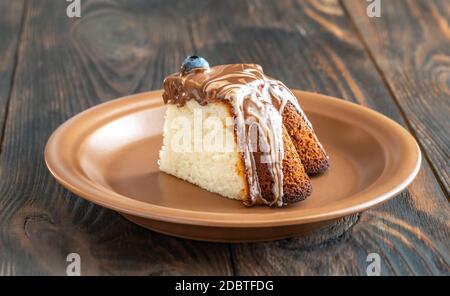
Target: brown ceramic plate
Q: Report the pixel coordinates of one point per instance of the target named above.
(108, 155)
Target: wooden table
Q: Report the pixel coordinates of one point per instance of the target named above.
(53, 67)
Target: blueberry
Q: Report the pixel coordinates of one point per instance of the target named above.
(194, 62)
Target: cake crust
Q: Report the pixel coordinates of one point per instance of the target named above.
(308, 147)
(296, 183)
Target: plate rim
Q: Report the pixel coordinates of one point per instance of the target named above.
(86, 189)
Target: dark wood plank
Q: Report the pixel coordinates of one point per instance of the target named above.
(311, 45)
(64, 66)
(10, 24)
(410, 44)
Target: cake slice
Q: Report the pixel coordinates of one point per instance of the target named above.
(232, 130)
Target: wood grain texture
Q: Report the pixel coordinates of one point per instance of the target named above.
(312, 45)
(65, 66)
(121, 47)
(10, 24)
(410, 44)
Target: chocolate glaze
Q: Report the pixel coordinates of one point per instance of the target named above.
(257, 100)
